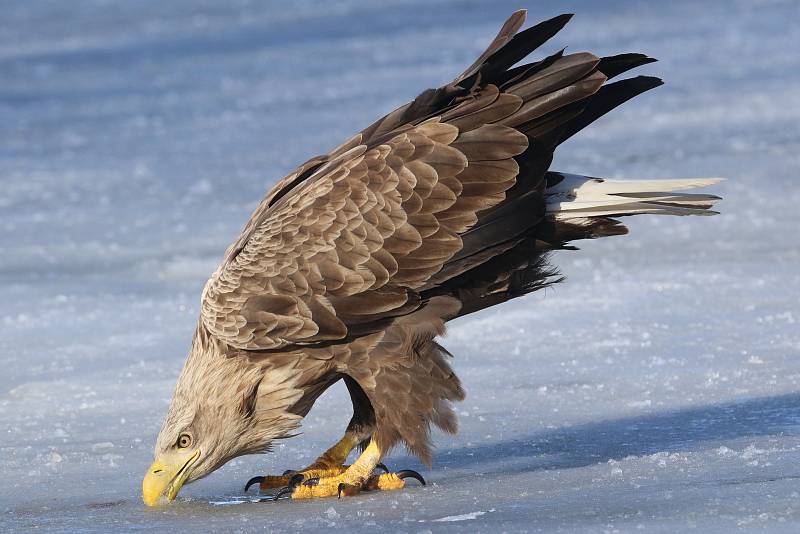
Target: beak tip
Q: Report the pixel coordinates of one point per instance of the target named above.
(154, 485)
(164, 479)
(152, 497)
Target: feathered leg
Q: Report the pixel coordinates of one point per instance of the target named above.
(328, 476)
(332, 461)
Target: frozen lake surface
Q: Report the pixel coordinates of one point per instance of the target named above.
(657, 390)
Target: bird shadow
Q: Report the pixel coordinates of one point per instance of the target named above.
(682, 430)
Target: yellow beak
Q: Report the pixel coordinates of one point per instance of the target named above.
(166, 476)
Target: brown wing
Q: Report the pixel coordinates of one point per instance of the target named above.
(351, 245)
(442, 192)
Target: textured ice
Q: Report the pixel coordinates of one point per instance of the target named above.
(657, 390)
(463, 517)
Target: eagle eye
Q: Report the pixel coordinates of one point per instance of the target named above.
(184, 441)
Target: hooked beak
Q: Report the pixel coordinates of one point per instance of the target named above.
(166, 477)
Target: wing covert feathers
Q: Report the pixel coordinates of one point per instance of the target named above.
(448, 195)
(352, 245)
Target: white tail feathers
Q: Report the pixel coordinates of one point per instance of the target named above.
(579, 197)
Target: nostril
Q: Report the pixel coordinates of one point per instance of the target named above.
(157, 471)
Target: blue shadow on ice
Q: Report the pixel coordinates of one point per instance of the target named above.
(686, 430)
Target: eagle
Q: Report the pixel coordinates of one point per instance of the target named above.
(350, 267)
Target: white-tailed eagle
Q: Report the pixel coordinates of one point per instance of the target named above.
(353, 263)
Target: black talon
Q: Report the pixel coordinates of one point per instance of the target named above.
(288, 472)
(293, 483)
(344, 485)
(311, 482)
(382, 465)
(408, 473)
(254, 480)
(286, 490)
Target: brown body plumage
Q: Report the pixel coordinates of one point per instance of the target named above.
(350, 267)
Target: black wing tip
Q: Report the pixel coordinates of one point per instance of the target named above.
(639, 84)
(642, 58)
(638, 59)
(551, 26)
(559, 20)
(607, 98)
(613, 66)
(644, 81)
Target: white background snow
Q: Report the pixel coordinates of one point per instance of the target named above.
(657, 390)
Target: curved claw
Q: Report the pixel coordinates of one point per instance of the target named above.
(408, 473)
(288, 472)
(283, 491)
(295, 481)
(382, 465)
(254, 480)
(347, 489)
(311, 482)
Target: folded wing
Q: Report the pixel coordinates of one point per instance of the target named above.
(431, 193)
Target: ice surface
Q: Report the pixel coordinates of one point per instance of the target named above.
(657, 390)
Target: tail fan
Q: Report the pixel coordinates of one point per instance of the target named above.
(581, 197)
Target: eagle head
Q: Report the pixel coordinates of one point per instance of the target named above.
(221, 409)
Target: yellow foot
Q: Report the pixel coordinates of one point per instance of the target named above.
(346, 484)
(330, 464)
(272, 482)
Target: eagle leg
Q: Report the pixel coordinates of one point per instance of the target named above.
(331, 462)
(358, 477)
